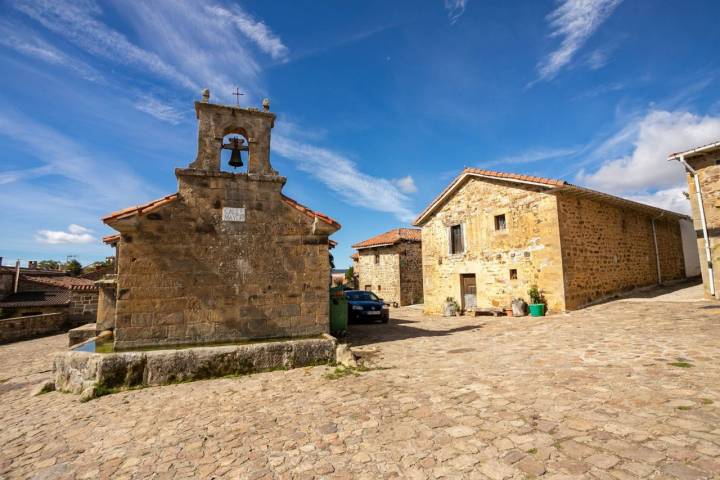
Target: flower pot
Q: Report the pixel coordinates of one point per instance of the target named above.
(519, 307)
(537, 309)
(509, 312)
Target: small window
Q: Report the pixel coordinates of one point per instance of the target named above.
(513, 274)
(368, 288)
(456, 239)
(377, 259)
(379, 288)
(500, 222)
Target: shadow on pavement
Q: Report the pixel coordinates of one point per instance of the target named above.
(360, 334)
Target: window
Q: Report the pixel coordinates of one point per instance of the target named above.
(377, 258)
(500, 222)
(368, 288)
(379, 288)
(513, 274)
(456, 239)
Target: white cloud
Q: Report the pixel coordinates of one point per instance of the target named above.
(533, 155)
(75, 21)
(406, 184)
(162, 111)
(673, 199)
(24, 42)
(574, 21)
(74, 234)
(342, 176)
(255, 30)
(644, 173)
(455, 9)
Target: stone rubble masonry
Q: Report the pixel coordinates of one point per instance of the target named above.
(709, 177)
(530, 244)
(186, 276)
(576, 249)
(75, 372)
(397, 278)
(22, 328)
(83, 306)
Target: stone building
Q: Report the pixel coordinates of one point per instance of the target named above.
(226, 258)
(702, 166)
(390, 265)
(489, 236)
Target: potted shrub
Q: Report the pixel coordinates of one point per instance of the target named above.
(537, 302)
(519, 307)
(451, 307)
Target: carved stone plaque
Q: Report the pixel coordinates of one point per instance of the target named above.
(230, 214)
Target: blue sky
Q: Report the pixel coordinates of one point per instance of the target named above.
(380, 104)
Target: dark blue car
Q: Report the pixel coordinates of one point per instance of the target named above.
(366, 306)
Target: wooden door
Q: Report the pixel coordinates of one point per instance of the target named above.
(468, 289)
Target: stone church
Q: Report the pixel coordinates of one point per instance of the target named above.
(228, 257)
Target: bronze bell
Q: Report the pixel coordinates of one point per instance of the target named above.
(235, 156)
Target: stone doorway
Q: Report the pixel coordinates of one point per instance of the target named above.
(468, 290)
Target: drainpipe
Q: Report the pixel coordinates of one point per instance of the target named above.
(703, 223)
(657, 251)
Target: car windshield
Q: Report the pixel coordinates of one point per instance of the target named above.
(361, 296)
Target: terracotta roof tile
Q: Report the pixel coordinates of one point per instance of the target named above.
(141, 209)
(36, 299)
(552, 184)
(515, 176)
(111, 239)
(310, 212)
(71, 283)
(391, 238)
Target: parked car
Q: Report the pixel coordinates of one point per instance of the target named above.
(366, 306)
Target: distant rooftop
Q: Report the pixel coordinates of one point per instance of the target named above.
(391, 238)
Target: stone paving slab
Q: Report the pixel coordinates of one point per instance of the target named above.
(621, 390)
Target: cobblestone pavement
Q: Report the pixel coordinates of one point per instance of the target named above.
(628, 389)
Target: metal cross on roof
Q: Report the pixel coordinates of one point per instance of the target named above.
(237, 95)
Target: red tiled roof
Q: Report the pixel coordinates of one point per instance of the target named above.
(150, 206)
(111, 239)
(37, 299)
(71, 283)
(391, 238)
(310, 212)
(517, 177)
(141, 209)
(551, 184)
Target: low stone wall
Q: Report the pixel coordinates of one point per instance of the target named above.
(22, 328)
(93, 374)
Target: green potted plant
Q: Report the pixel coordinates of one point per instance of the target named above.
(537, 302)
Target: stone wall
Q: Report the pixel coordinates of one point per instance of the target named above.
(106, 306)
(709, 177)
(397, 278)
(83, 306)
(608, 249)
(21, 328)
(187, 276)
(530, 245)
(411, 282)
(383, 278)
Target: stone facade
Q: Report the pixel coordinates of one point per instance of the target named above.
(393, 271)
(529, 245)
(578, 248)
(706, 165)
(83, 305)
(228, 257)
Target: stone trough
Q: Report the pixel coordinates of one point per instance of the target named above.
(92, 374)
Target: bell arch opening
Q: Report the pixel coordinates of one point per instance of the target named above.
(235, 152)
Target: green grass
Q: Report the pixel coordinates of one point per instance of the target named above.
(342, 371)
(532, 451)
(683, 407)
(706, 401)
(681, 364)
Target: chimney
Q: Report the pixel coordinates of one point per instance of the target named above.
(32, 264)
(17, 276)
